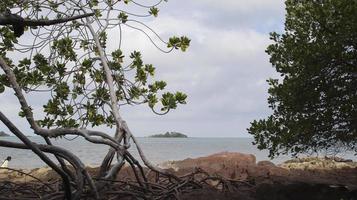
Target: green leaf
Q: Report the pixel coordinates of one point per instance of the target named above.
(123, 17)
(154, 11)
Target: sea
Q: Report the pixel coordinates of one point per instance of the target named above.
(157, 150)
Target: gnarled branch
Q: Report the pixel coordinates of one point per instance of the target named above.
(19, 23)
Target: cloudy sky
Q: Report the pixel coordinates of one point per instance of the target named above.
(223, 72)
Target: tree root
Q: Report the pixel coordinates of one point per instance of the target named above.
(154, 189)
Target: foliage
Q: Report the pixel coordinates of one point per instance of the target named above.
(65, 63)
(69, 53)
(314, 102)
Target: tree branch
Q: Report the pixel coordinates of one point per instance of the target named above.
(18, 92)
(71, 158)
(30, 145)
(12, 19)
(87, 134)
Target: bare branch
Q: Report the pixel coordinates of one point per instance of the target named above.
(30, 145)
(71, 158)
(19, 23)
(11, 19)
(87, 134)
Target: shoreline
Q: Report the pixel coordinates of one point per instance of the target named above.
(299, 162)
(303, 178)
(225, 163)
(157, 150)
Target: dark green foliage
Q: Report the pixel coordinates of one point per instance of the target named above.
(315, 101)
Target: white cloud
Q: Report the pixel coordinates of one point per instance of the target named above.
(223, 72)
(246, 6)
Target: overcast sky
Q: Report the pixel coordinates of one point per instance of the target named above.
(223, 72)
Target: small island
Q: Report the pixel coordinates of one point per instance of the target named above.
(169, 135)
(3, 134)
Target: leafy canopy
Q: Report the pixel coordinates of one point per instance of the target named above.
(314, 102)
(64, 61)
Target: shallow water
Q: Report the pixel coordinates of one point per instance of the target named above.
(157, 150)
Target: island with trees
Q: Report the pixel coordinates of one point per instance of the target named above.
(169, 135)
(3, 134)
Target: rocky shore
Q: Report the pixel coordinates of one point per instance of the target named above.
(244, 166)
(303, 178)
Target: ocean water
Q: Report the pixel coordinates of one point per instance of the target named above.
(157, 150)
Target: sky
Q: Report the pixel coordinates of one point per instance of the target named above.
(223, 72)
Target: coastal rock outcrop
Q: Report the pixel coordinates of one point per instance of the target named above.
(244, 167)
(304, 178)
(313, 163)
(227, 164)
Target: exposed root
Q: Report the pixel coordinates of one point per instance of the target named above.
(155, 187)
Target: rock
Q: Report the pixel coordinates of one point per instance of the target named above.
(338, 159)
(227, 164)
(44, 173)
(312, 163)
(237, 166)
(266, 172)
(265, 163)
(169, 165)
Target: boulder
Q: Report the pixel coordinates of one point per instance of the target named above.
(265, 163)
(227, 164)
(266, 171)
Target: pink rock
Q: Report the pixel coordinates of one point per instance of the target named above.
(227, 164)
